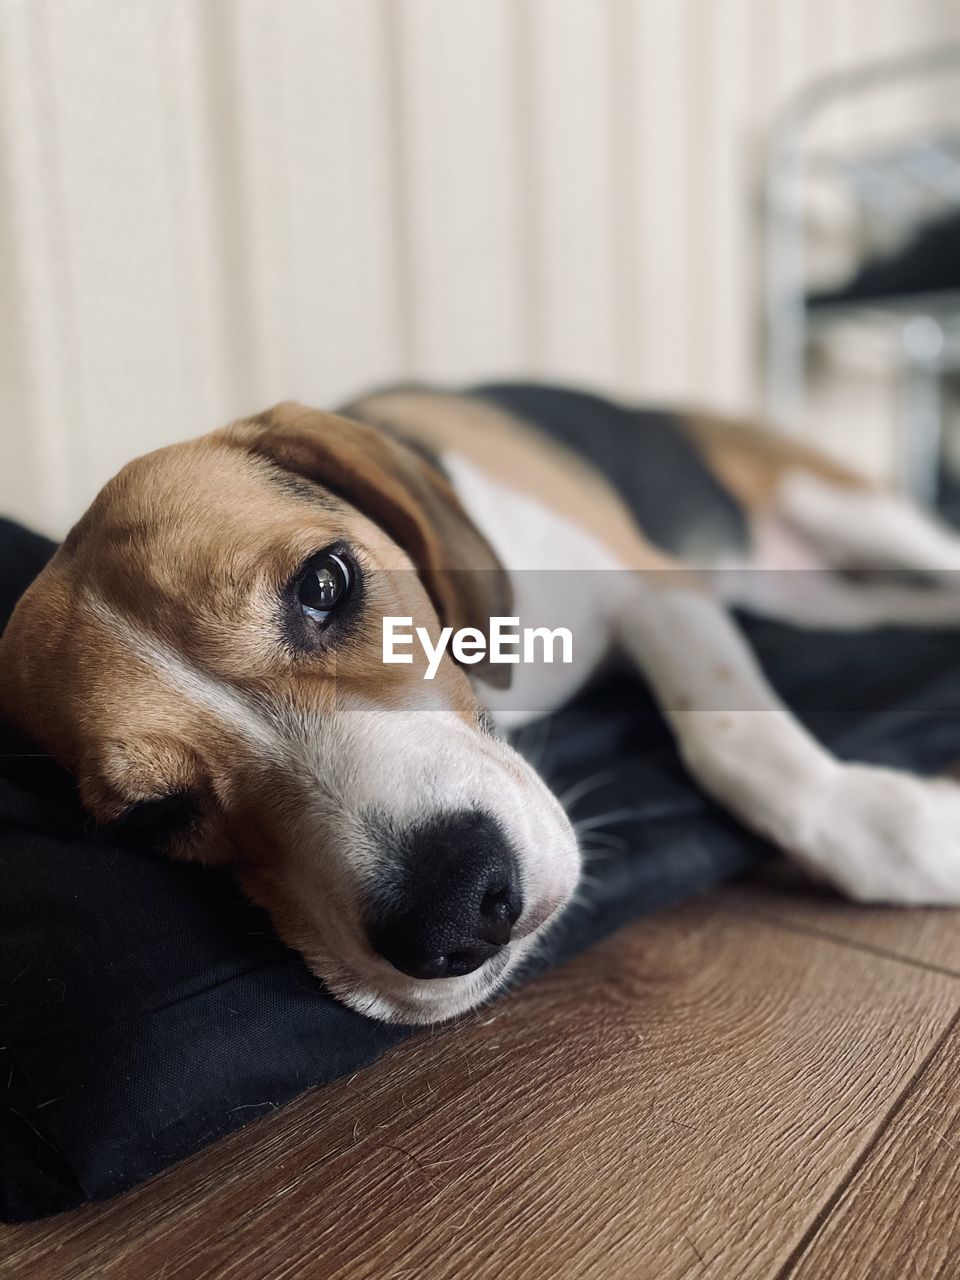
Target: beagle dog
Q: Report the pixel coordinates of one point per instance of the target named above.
(205, 653)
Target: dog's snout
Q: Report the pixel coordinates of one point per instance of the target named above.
(455, 901)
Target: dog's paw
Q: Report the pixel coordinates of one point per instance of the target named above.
(882, 836)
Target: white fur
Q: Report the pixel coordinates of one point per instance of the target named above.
(409, 763)
(874, 834)
(865, 527)
(562, 577)
(817, 525)
(818, 598)
(224, 703)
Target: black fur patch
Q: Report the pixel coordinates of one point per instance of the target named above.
(647, 455)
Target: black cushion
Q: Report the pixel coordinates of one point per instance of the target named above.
(146, 1008)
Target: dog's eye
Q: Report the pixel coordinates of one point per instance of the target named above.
(155, 822)
(324, 586)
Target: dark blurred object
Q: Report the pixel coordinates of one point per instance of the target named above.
(22, 555)
(896, 178)
(928, 263)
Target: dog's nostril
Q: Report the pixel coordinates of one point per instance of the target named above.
(499, 912)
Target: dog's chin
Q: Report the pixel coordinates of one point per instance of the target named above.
(390, 996)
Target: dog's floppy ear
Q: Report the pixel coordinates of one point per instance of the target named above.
(407, 495)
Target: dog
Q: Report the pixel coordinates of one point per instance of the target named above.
(205, 654)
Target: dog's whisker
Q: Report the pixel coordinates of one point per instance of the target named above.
(594, 855)
(601, 819)
(604, 840)
(585, 787)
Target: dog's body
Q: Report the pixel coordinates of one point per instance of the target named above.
(205, 644)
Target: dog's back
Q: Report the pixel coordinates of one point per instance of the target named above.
(696, 487)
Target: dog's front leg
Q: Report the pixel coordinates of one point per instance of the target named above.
(875, 834)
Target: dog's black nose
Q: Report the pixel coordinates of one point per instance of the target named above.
(454, 899)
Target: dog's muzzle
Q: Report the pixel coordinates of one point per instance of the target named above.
(451, 895)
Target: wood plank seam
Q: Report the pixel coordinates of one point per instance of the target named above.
(826, 1209)
(827, 935)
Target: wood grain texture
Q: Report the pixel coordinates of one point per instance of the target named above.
(783, 894)
(680, 1101)
(898, 1215)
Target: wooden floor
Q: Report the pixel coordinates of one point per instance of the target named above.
(765, 1083)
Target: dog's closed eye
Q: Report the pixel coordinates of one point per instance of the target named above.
(155, 822)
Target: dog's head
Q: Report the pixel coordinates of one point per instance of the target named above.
(205, 654)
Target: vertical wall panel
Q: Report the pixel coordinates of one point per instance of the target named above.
(130, 310)
(457, 87)
(793, 53)
(310, 124)
(660, 155)
(208, 207)
(726, 281)
(111, 312)
(630, 314)
(33, 475)
(573, 168)
(188, 259)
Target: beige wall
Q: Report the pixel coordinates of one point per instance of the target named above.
(209, 205)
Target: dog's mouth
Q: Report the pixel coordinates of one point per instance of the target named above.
(391, 996)
(329, 926)
(426, 904)
(373, 987)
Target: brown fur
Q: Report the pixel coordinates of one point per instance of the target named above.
(191, 545)
(752, 460)
(409, 498)
(521, 457)
(749, 459)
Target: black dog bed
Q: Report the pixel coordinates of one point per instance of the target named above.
(147, 1009)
